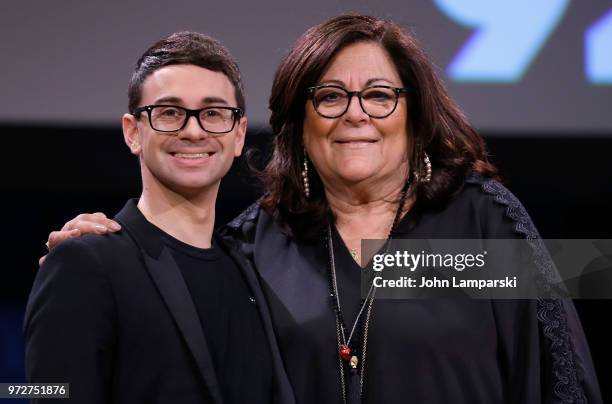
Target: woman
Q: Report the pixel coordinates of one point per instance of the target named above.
(368, 145)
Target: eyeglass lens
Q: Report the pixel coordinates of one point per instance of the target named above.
(375, 101)
(171, 118)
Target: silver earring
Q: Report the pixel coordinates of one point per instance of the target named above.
(305, 176)
(427, 164)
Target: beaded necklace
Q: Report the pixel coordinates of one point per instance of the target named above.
(345, 353)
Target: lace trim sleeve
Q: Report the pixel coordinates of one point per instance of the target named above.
(249, 214)
(551, 314)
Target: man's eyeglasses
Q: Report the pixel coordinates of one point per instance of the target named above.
(172, 118)
(331, 101)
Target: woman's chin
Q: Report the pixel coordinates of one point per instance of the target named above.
(355, 175)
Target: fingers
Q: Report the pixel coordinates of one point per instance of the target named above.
(86, 223)
(56, 237)
(96, 223)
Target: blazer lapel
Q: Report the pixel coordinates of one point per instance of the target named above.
(284, 391)
(167, 276)
(172, 287)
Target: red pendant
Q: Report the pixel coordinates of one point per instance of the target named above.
(345, 352)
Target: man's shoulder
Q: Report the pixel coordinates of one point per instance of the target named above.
(111, 242)
(92, 251)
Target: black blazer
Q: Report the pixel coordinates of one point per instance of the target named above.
(112, 316)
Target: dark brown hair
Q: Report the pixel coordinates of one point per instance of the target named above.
(439, 128)
(189, 48)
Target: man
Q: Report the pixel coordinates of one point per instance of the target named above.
(162, 311)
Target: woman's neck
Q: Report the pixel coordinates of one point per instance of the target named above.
(361, 217)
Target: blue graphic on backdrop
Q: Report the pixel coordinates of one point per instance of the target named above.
(508, 37)
(598, 50)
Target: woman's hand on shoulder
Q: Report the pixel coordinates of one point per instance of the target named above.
(85, 223)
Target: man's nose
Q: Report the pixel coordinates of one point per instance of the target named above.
(193, 129)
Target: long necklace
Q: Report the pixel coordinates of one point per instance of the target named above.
(344, 351)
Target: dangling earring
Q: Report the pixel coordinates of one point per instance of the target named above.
(305, 176)
(427, 164)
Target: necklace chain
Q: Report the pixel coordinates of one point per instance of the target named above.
(368, 301)
(371, 292)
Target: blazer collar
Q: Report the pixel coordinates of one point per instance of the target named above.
(171, 285)
(140, 229)
(283, 391)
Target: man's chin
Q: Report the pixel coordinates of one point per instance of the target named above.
(193, 187)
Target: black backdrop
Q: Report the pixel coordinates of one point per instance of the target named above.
(52, 173)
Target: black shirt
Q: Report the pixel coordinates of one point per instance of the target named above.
(230, 320)
(422, 350)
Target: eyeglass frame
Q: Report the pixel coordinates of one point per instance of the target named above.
(397, 90)
(237, 114)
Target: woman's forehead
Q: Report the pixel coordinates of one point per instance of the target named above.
(359, 63)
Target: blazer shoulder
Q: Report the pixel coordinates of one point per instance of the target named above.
(90, 252)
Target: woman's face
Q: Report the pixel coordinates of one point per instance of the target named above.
(355, 148)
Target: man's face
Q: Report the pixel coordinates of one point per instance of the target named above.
(189, 161)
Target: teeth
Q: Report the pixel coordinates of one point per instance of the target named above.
(192, 155)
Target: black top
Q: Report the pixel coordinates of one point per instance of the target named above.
(421, 351)
(229, 318)
(113, 316)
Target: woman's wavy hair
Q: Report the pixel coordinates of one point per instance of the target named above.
(438, 127)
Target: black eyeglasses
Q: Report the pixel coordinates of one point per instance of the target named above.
(331, 101)
(172, 118)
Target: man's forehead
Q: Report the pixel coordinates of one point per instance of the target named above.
(187, 84)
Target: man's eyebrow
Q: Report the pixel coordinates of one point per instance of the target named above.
(214, 100)
(178, 101)
(169, 100)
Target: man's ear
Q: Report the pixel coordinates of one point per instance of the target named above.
(129, 123)
(240, 136)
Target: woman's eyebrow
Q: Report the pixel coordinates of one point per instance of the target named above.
(367, 83)
(375, 79)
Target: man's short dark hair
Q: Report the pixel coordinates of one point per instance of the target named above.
(190, 48)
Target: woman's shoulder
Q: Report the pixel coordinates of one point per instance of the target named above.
(249, 215)
(499, 205)
(255, 229)
(252, 220)
(485, 191)
(481, 208)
